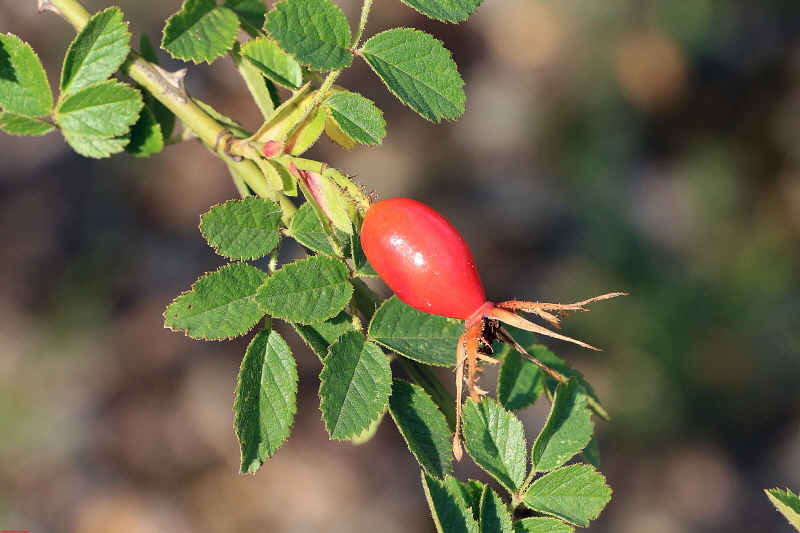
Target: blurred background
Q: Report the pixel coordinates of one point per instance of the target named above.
(650, 146)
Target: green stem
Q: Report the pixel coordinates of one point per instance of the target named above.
(319, 96)
(362, 23)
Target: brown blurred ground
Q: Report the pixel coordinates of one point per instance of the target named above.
(651, 147)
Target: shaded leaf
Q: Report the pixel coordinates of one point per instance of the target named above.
(266, 399)
(355, 385)
(308, 290)
(24, 89)
(321, 335)
(419, 336)
(219, 305)
(273, 62)
(97, 51)
(575, 493)
(315, 32)
(542, 524)
(357, 117)
(520, 382)
(496, 441)
(306, 229)
(251, 11)
(200, 31)
(19, 125)
(494, 517)
(243, 229)
(418, 70)
(448, 507)
(423, 426)
(146, 138)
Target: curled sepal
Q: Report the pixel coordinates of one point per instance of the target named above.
(243, 229)
(355, 385)
(219, 305)
(266, 399)
(575, 493)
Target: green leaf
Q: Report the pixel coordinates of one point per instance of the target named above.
(266, 399)
(24, 89)
(243, 229)
(19, 125)
(304, 136)
(306, 229)
(97, 147)
(362, 266)
(567, 431)
(309, 290)
(273, 62)
(575, 493)
(335, 133)
(445, 10)
(496, 441)
(448, 507)
(591, 452)
(262, 89)
(423, 426)
(419, 336)
(200, 31)
(520, 381)
(542, 524)
(315, 32)
(97, 51)
(418, 70)
(321, 335)
(104, 109)
(495, 517)
(357, 117)
(787, 503)
(219, 305)
(146, 138)
(470, 492)
(251, 11)
(355, 385)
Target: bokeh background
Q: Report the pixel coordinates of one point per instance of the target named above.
(617, 145)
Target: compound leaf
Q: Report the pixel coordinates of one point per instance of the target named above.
(219, 305)
(575, 493)
(24, 89)
(266, 399)
(419, 336)
(243, 229)
(97, 51)
(496, 441)
(355, 385)
(200, 31)
(418, 70)
(308, 290)
(423, 426)
(357, 117)
(315, 32)
(273, 62)
(567, 431)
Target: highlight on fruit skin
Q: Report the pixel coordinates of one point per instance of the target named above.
(429, 266)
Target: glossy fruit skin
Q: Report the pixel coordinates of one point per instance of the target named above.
(422, 258)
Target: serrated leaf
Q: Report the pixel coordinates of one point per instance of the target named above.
(358, 117)
(104, 109)
(787, 503)
(146, 138)
(419, 336)
(97, 51)
(520, 381)
(24, 89)
(243, 229)
(306, 229)
(575, 493)
(418, 70)
(445, 10)
(496, 441)
(200, 31)
(335, 133)
(307, 291)
(273, 62)
(96, 147)
(448, 507)
(591, 452)
(306, 134)
(362, 266)
(219, 305)
(251, 11)
(423, 426)
(19, 125)
(355, 385)
(541, 524)
(266, 399)
(567, 431)
(495, 517)
(315, 32)
(470, 492)
(261, 88)
(321, 335)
